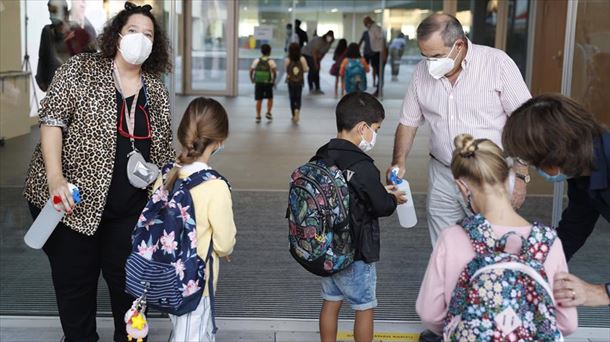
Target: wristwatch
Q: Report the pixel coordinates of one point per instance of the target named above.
(525, 178)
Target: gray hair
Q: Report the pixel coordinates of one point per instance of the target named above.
(448, 25)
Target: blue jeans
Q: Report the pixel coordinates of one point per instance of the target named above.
(355, 284)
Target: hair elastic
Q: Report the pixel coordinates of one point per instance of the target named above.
(133, 7)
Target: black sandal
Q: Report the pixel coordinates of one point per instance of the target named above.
(258, 119)
(269, 116)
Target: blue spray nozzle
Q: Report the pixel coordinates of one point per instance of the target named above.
(394, 177)
(76, 195)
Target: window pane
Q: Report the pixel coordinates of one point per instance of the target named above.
(591, 70)
(517, 31)
(209, 45)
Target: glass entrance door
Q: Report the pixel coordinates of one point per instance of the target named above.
(209, 63)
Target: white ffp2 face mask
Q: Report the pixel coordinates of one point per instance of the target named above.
(135, 48)
(366, 146)
(441, 66)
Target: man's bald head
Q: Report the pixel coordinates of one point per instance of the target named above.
(446, 25)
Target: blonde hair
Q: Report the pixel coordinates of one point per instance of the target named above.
(479, 161)
(204, 122)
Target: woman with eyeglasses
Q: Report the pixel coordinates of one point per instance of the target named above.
(563, 141)
(104, 127)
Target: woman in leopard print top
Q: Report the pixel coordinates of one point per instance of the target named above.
(85, 140)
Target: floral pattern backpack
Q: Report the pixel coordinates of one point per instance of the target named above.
(501, 296)
(318, 218)
(163, 269)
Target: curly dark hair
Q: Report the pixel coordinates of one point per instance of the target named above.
(159, 60)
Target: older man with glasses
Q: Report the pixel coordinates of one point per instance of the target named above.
(459, 87)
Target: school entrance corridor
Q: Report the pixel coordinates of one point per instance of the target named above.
(263, 294)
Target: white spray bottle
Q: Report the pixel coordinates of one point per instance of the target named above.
(406, 211)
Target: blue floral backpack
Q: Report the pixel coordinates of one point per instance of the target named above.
(501, 296)
(163, 269)
(318, 218)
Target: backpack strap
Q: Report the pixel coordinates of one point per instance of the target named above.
(538, 244)
(166, 169)
(480, 233)
(202, 176)
(210, 259)
(501, 243)
(329, 161)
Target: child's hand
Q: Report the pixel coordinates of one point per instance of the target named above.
(401, 196)
(390, 188)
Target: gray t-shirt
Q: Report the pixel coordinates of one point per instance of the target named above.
(316, 44)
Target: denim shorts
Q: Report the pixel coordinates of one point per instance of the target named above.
(355, 284)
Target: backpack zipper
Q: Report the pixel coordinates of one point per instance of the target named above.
(324, 211)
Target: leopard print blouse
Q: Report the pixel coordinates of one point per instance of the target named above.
(82, 101)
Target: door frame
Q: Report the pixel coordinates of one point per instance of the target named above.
(566, 90)
(231, 58)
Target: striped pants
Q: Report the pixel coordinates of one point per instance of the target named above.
(195, 326)
(445, 204)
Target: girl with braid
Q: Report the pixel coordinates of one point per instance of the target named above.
(202, 131)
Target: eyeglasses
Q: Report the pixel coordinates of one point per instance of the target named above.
(130, 136)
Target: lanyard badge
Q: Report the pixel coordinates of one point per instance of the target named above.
(140, 173)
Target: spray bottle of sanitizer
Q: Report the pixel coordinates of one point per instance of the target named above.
(405, 211)
(47, 220)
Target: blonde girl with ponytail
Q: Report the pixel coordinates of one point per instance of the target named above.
(481, 173)
(202, 132)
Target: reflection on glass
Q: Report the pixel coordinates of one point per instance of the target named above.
(591, 68)
(479, 20)
(516, 32)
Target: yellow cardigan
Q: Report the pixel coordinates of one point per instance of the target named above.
(214, 217)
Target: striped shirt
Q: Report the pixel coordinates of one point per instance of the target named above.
(488, 89)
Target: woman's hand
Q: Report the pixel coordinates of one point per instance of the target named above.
(569, 291)
(61, 194)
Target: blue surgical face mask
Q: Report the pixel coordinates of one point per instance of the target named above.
(218, 150)
(558, 178)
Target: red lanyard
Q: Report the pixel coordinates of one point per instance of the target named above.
(130, 126)
(131, 117)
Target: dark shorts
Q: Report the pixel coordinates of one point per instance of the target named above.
(263, 91)
(368, 58)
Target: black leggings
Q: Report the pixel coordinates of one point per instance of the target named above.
(376, 63)
(313, 76)
(295, 91)
(76, 261)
